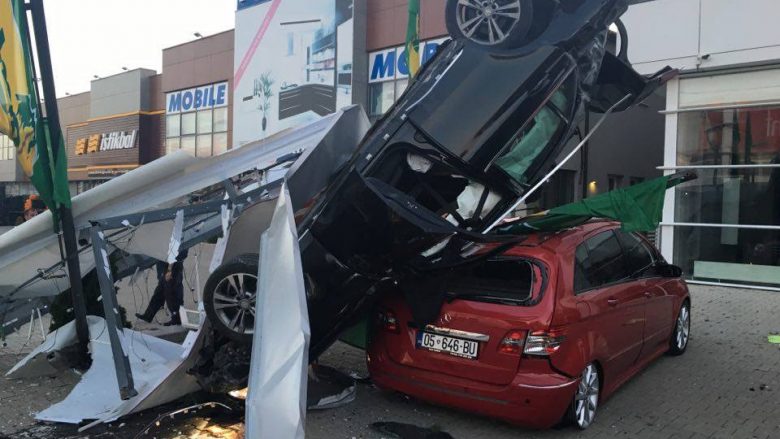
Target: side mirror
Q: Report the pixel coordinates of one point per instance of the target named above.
(668, 270)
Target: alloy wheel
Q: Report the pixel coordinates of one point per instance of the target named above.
(234, 302)
(586, 399)
(488, 22)
(683, 328)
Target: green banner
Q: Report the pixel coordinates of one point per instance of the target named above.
(637, 207)
(20, 115)
(413, 37)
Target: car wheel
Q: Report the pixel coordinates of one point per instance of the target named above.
(682, 331)
(583, 408)
(230, 298)
(492, 24)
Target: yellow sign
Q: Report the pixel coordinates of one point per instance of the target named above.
(94, 143)
(81, 146)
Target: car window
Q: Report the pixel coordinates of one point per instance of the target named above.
(521, 281)
(604, 263)
(545, 129)
(638, 255)
(581, 265)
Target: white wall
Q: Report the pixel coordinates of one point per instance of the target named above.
(680, 32)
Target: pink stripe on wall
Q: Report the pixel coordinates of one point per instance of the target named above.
(255, 43)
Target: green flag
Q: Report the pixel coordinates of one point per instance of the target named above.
(413, 38)
(638, 207)
(20, 115)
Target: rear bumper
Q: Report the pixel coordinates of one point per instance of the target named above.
(531, 400)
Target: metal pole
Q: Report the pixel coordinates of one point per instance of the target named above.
(584, 157)
(124, 373)
(66, 216)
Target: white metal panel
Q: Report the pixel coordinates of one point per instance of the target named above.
(670, 159)
(685, 64)
(734, 88)
(276, 403)
(662, 30)
(741, 57)
(729, 25)
(166, 181)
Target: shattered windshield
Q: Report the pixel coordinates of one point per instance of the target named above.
(543, 132)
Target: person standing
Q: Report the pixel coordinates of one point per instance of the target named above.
(169, 291)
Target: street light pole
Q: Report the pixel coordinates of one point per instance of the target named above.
(66, 215)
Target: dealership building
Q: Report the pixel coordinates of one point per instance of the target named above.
(722, 120)
(290, 65)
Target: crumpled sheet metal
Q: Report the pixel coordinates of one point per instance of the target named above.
(159, 371)
(276, 403)
(160, 184)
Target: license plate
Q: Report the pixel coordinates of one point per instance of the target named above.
(449, 345)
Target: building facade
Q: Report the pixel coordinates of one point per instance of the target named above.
(112, 129)
(197, 82)
(722, 120)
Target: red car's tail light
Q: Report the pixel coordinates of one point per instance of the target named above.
(388, 321)
(542, 343)
(512, 342)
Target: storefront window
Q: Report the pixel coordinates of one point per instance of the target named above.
(202, 133)
(220, 143)
(173, 125)
(729, 137)
(205, 121)
(727, 222)
(172, 144)
(730, 196)
(188, 144)
(188, 125)
(400, 87)
(381, 97)
(220, 119)
(731, 255)
(204, 145)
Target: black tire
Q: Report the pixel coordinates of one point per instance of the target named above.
(678, 342)
(590, 392)
(223, 302)
(515, 29)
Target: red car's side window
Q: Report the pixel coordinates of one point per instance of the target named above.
(599, 261)
(638, 256)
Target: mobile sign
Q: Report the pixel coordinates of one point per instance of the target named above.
(199, 98)
(390, 64)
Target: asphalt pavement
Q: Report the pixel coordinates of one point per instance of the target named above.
(727, 385)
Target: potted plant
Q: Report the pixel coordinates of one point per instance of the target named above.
(264, 93)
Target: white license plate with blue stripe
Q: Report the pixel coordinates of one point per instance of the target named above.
(449, 345)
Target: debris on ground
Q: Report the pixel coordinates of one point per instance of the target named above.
(408, 431)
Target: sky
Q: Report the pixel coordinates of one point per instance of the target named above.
(99, 37)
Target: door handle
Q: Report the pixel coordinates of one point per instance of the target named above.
(612, 302)
(648, 294)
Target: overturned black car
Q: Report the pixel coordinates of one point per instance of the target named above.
(475, 131)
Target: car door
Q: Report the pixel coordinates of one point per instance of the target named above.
(659, 306)
(616, 302)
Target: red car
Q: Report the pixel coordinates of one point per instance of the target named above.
(545, 332)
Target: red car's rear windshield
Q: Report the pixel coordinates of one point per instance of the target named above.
(511, 281)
